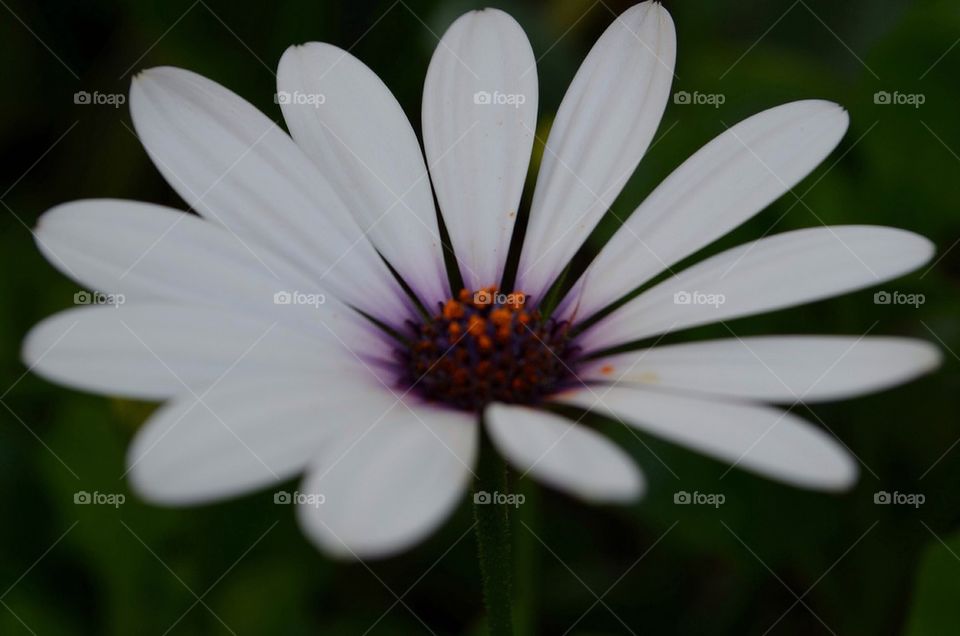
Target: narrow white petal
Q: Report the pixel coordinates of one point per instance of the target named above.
(154, 351)
(564, 454)
(389, 488)
(773, 368)
(479, 120)
(243, 435)
(351, 126)
(235, 166)
(725, 183)
(772, 273)
(603, 127)
(149, 252)
(762, 439)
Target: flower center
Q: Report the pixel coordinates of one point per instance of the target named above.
(487, 346)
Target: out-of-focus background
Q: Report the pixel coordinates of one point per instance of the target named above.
(770, 559)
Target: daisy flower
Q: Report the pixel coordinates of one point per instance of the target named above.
(305, 321)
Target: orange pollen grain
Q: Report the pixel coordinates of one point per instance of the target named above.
(477, 326)
(452, 310)
(501, 316)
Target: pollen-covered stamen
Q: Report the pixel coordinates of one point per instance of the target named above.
(487, 346)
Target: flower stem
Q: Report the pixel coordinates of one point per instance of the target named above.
(493, 540)
(525, 559)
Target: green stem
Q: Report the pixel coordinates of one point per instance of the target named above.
(493, 540)
(525, 559)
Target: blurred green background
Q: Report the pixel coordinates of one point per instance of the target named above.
(771, 559)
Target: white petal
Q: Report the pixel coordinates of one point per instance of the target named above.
(153, 351)
(725, 183)
(149, 252)
(761, 439)
(233, 165)
(603, 126)
(351, 126)
(479, 120)
(772, 273)
(773, 368)
(392, 486)
(564, 454)
(243, 435)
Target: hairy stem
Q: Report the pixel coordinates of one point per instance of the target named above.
(493, 540)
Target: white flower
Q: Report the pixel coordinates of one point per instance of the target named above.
(242, 318)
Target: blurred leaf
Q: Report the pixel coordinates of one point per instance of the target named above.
(935, 609)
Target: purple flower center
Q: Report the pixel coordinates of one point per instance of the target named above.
(484, 347)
